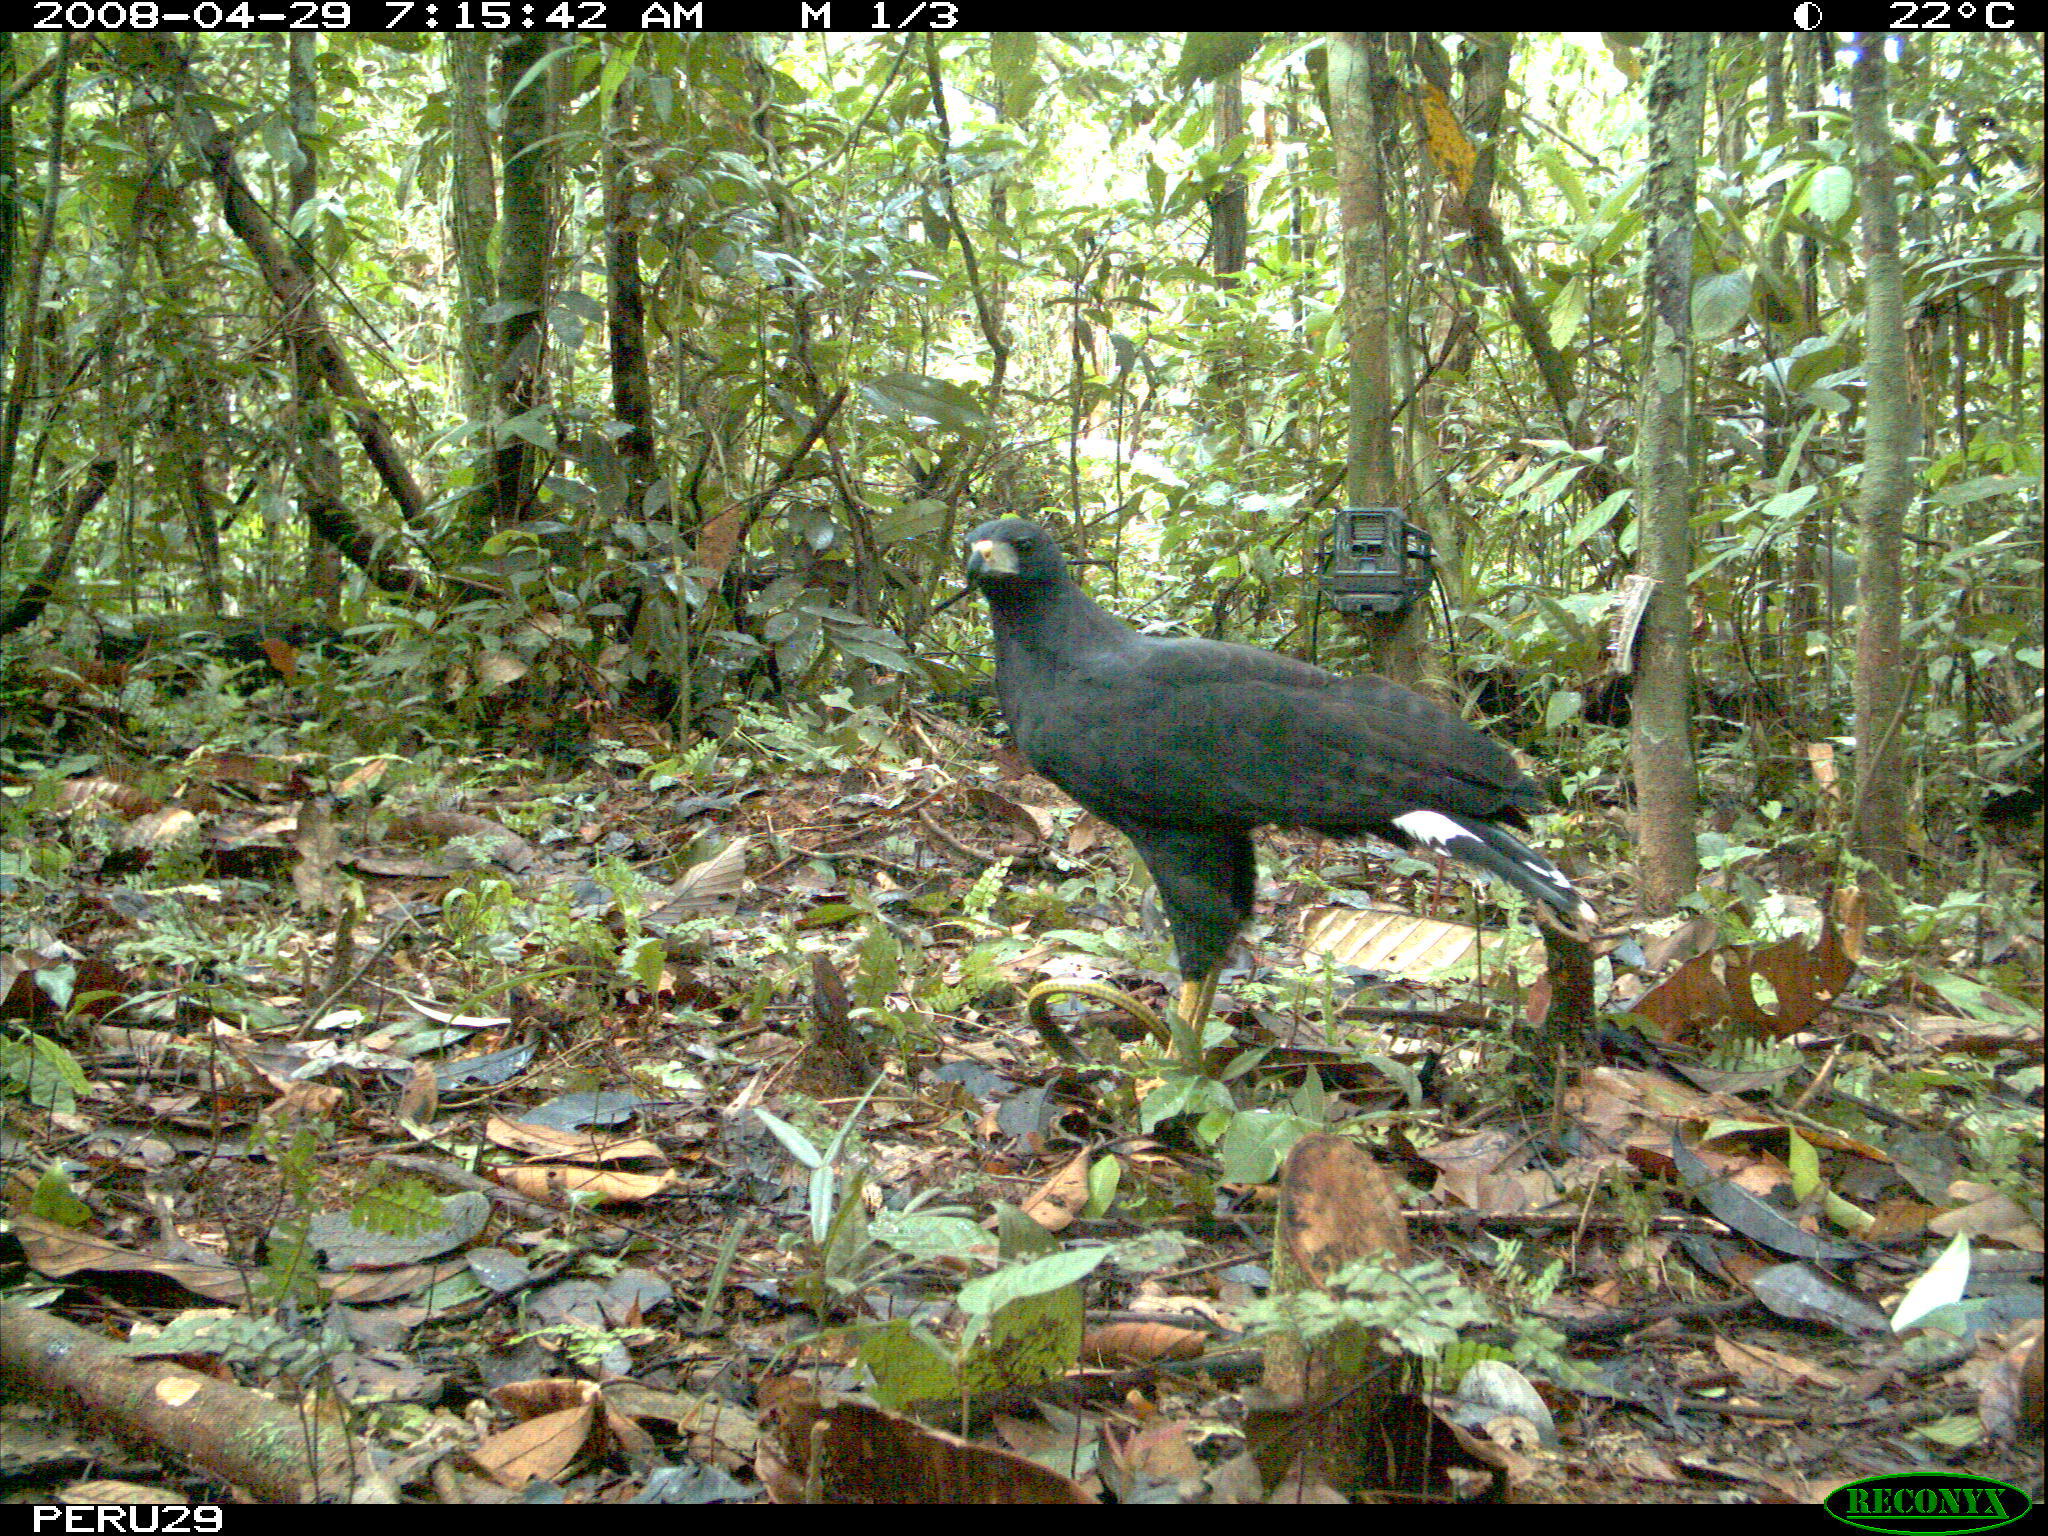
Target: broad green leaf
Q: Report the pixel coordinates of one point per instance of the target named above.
(796, 1141)
(643, 960)
(1719, 305)
(927, 1237)
(1029, 1341)
(1568, 313)
(1830, 193)
(1562, 707)
(1208, 56)
(914, 394)
(1255, 1142)
(988, 1293)
(906, 1364)
(1183, 1094)
(1803, 1162)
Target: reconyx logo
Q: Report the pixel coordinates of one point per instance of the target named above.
(1923, 1502)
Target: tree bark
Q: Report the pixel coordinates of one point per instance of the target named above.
(1877, 831)
(1667, 780)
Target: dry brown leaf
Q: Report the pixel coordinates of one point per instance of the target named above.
(364, 776)
(240, 769)
(558, 1182)
(104, 794)
(1820, 757)
(307, 1101)
(157, 829)
(1061, 1198)
(544, 1447)
(1034, 821)
(1772, 1370)
(838, 1451)
(1801, 980)
(720, 536)
(548, 1141)
(722, 875)
(2028, 1372)
(439, 828)
(57, 1251)
(421, 1095)
(1120, 1344)
(717, 1429)
(1159, 1451)
(318, 843)
(368, 1287)
(1384, 939)
(104, 1490)
(1988, 1213)
(1337, 1206)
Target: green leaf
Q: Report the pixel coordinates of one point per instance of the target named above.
(1788, 504)
(1941, 1286)
(533, 426)
(1596, 519)
(911, 520)
(1562, 708)
(987, 1294)
(1568, 313)
(1255, 1143)
(796, 1141)
(906, 1364)
(1565, 179)
(923, 1236)
(1011, 59)
(1183, 1094)
(1029, 1341)
(41, 1069)
(1104, 1175)
(828, 915)
(1719, 305)
(1208, 56)
(847, 1237)
(1803, 1162)
(1018, 1237)
(879, 968)
(938, 400)
(1975, 1000)
(1830, 193)
(53, 1200)
(642, 960)
(882, 656)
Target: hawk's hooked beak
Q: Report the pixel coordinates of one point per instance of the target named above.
(991, 557)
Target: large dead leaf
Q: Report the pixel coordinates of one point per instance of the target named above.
(1121, 1344)
(104, 794)
(548, 1141)
(1397, 944)
(1337, 1206)
(546, 1444)
(556, 1182)
(832, 1450)
(58, 1251)
(1774, 989)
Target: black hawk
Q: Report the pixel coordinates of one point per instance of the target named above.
(1186, 745)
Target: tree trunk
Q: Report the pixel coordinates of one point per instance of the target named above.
(1667, 782)
(1877, 831)
(1357, 125)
